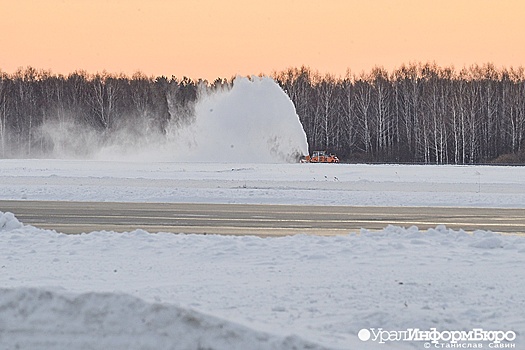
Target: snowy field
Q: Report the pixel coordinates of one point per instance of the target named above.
(322, 184)
(139, 290)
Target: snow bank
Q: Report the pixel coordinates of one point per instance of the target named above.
(36, 317)
(8, 222)
(256, 291)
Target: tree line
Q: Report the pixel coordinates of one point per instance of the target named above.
(419, 113)
(34, 101)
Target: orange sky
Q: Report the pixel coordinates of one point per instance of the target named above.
(222, 38)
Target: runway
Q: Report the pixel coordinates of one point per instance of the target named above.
(261, 220)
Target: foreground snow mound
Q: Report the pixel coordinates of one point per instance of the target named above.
(9, 222)
(443, 236)
(37, 318)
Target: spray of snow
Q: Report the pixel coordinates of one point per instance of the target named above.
(254, 121)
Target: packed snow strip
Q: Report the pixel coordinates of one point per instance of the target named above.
(323, 290)
(33, 318)
(312, 184)
(254, 121)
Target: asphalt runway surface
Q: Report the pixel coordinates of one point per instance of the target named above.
(261, 220)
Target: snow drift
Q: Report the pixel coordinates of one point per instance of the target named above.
(9, 222)
(33, 317)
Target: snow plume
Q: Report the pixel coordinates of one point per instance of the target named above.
(68, 140)
(253, 121)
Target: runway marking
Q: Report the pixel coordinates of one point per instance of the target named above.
(72, 217)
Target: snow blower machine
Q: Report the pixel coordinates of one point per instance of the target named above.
(320, 157)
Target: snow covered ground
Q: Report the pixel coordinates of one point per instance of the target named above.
(323, 184)
(163, 291)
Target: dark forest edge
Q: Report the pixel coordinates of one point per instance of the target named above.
(418, 113)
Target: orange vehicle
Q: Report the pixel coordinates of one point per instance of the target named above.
(320, 157)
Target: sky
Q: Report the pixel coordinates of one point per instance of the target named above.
(223, 38)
